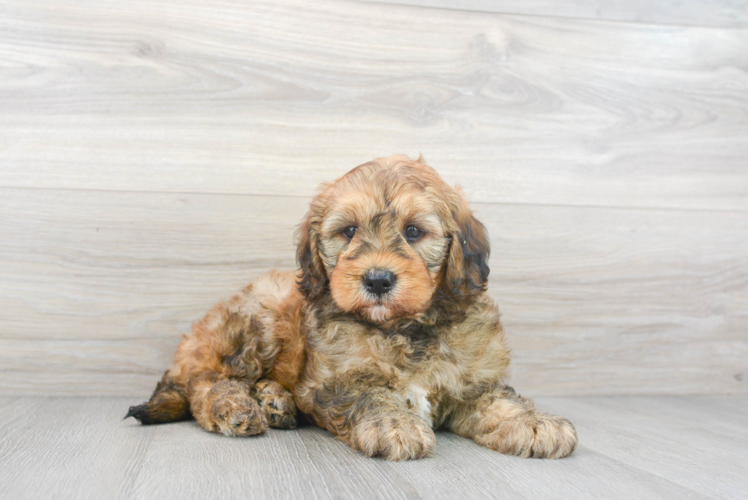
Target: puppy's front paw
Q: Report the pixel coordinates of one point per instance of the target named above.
(539, 436)
(555, 437)
(400, 436)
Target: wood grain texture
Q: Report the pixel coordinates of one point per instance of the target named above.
(717, 13)
(275, 97)
(288, 464)
(683, 444)
(156, 157)
(99, 286)
(647, 447)
(482, 473)
(67, 448)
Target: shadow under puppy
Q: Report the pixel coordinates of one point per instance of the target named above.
(384, 334)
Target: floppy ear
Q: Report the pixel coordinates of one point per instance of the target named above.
(467, 263)
(313, 280)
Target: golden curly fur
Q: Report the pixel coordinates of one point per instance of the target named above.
(383, 335)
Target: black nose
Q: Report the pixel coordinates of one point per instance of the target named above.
(379, 281)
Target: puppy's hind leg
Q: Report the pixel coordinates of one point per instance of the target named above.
(225, 406)
(223, 361)
(236, 408)
(220, 400)
(238, 343)
(215, 370)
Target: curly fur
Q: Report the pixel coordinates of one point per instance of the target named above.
(380, 372)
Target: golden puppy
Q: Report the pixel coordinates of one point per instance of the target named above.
(384, 334)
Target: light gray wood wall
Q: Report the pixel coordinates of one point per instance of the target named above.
(719, 13)
(156, 156)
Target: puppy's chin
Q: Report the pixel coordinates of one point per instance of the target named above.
(378, 313)
(385, 312)
(365, 307)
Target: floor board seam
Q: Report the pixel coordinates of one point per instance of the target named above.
(560, 18)
(309, 198)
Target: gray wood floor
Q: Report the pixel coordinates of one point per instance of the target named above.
(630, 447)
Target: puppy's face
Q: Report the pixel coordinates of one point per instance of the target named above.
(387, 235)
(382, 250)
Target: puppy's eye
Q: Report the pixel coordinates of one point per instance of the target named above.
(412, 233)
(349, 232)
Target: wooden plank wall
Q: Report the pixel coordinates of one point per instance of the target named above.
(716, 13)
(157, 155)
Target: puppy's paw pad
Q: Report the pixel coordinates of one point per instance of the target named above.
(397, 437)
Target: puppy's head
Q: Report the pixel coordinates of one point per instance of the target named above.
(384, 238)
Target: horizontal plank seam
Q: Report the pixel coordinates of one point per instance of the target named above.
(95, 339)
(546, 399)
(133, 392)
(62, 370)
(309, 197)
(558, 17)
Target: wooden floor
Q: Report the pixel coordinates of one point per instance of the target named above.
(630, 447)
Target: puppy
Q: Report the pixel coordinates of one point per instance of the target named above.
(384, 334)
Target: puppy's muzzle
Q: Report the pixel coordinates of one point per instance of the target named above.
(379, 281)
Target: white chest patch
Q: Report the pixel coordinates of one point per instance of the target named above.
(416, 398)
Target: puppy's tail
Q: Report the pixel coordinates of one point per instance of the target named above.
(168, 403)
